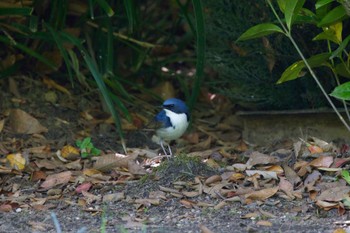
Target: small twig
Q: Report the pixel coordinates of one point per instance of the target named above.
(56, 223)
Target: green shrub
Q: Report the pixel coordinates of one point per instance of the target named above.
(248, 71)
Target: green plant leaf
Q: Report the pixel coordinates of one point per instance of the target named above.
(260, 30)
(341, 47)
(78, 143)
(343, 70)
(321, 3)
(305, 16)
(24, 11)
(105, 6)
(292, 9)
(95, 151)
(332, 33)
(346, 176)
(33, 23)
(84, 155)
(86, 142)
(335, 15)
(342, 91)
(326, 35)
(282, 5)
(130, 13)
(293, 71)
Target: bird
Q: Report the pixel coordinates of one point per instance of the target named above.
(172, 122)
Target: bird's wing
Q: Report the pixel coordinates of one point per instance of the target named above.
(162, 120)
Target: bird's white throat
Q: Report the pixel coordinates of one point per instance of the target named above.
(179, 122)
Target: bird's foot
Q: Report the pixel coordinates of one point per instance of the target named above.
(166, 154)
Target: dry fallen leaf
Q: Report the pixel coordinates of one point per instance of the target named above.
(264, 174)
(322, 161)
(327, 205)
(286, 187)
(262, 194)
(258, 158)
(312, 178)
(213, 179)
(112, 197)
(52, 84)
(110, 161)
(16, 161)
(148, 201)
(315, 149)
(339, 230)
(142, 152)
(334, 194)
(264, 223)
(221, 205)
(83, 187)
(275, 168)
(204, 229)
(5, 208)
(23, 123)
(56, 179)
(187, 203)
(325, 146)
(48, 164)
(291, 175)
(38, 175)
(89, 197)
(252, 215)
(235, 177)
(135, 168)
(70, 152)
(191, 193)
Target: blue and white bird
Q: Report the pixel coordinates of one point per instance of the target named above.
(172, 122)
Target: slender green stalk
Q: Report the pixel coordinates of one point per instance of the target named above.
(289, 35)
(200, 52)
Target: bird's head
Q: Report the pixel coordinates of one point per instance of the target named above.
(175, 105)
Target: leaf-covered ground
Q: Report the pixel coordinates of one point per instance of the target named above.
(216, 183)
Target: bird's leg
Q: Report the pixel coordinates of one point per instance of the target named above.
(164, 150)
(161, 144)
(170, 152)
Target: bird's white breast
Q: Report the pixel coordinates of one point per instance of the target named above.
(179, 122)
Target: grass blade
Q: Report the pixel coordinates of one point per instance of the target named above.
(200, 50)
(105, 6)
(64, 53)
(24, 11)
(100, 83)
(28, 51)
